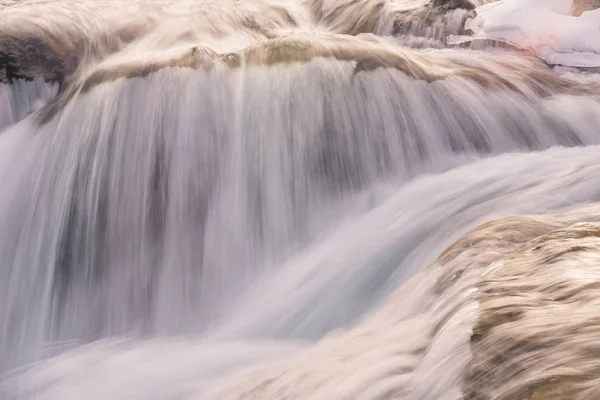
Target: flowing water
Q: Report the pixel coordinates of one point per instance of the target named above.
(255, 200)
(23, 97)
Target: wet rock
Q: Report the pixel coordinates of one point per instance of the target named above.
(536, 332)
(580, 6)
(30, 57)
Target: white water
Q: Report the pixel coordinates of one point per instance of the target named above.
(332, 283)
(266, 231)
(22, 98)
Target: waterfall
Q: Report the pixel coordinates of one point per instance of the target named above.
(23, 97)
(260, 208)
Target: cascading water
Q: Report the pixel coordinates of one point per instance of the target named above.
(230, 200)
(23, 97)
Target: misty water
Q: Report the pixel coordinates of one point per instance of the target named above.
(271, 227)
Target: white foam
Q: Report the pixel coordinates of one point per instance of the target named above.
(545, 27)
